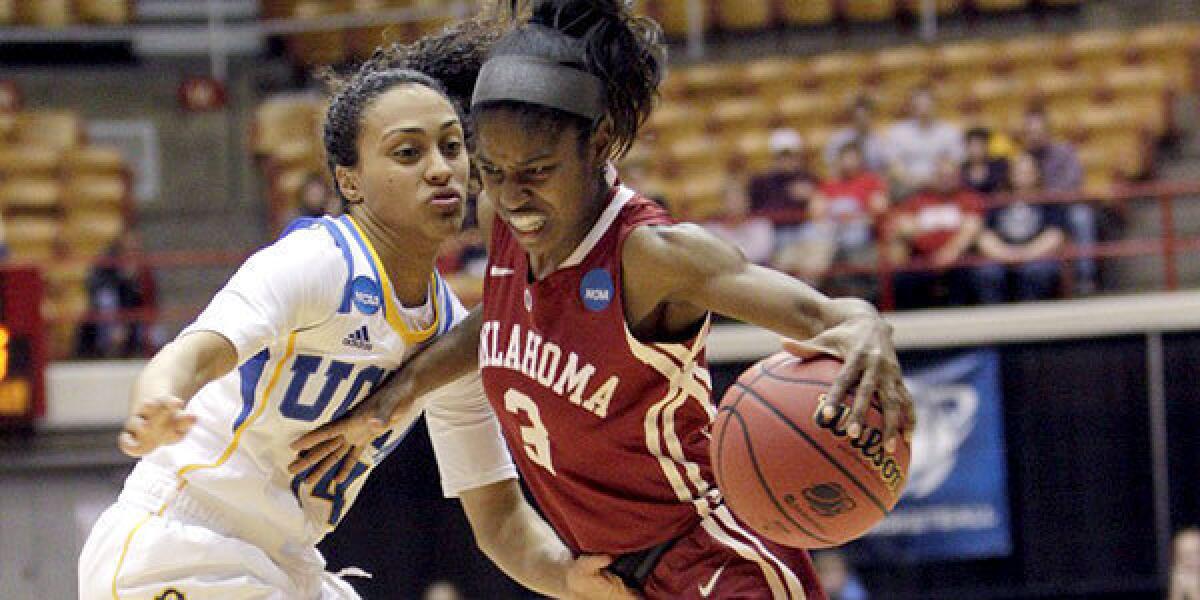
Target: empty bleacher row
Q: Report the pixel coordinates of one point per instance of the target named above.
(62, 198)
(61, 13)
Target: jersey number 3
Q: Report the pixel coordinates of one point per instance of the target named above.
(535, 436)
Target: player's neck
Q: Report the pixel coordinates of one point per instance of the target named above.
(543, 264)
(408, 265)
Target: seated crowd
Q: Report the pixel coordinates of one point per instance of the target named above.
(917, 197)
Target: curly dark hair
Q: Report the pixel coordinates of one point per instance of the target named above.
(601, 37)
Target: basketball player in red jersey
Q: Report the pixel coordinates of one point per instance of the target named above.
(596, 307)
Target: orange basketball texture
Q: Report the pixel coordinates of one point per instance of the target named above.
(792, 474)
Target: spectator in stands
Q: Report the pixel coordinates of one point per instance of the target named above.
(1185, 566)
(754, 236)
(1061, 171)
(852, 200)
(316, 198)
(118, 283)
(935, 228)
(785, 194)
(1024, 235)
(861, 132)
(915, 145)
(981, 171)
(835, 574)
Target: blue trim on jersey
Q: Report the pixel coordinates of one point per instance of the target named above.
(447, 305)
(340, 240)
(251, 373)
(366, 250)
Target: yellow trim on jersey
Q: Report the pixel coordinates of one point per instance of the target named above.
(262, 405)
(389, 296)
(124, 551)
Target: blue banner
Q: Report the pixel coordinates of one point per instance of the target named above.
(955, 505)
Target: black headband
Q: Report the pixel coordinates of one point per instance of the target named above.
(535, 80)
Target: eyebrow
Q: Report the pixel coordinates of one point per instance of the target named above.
(419, 130)
(522, 164)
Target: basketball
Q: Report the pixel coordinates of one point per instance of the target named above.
(792, 473)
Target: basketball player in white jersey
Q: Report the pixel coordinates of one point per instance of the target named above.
(303, 331)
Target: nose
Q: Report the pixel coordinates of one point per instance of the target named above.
(439, 171)
(508, 194)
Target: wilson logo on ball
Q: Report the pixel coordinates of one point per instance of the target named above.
(869, 443)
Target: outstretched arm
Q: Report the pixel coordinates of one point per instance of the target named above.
(524, 546)
(690, 270)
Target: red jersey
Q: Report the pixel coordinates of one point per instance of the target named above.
(939, 217)
(609, 433)
(857, 189)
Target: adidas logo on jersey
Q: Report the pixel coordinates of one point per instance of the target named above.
(358, 338)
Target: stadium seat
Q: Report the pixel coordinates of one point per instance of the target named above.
(92, 192)
(91, 232)
(1097, 51)
(29, 195)
(741, 114)
(8, 12)
(29, 161)
(699, 198)
(317, 48)
(44, 13)
(31, 238)
(1029, 56)
(806, 12)
(1068, 91)
(941, 7)
(772, 78)
(697, 155)
(871, 11)
(103, 12)
(964, 60)
(1000, 95)
(673, 120)
(280, 120)
(1000, 5)
(672, 15)
(1170, 46)
(743, 15)
(59, 129)
(803, 110)
(92, 159)
(706, 83)
(753, 148)
(8, 125)
(904, 67)
(839, 72)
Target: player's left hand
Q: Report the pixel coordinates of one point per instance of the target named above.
(588, 579)
(337, 442)
(870, 367)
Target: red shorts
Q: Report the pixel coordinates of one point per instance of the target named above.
(722, 558)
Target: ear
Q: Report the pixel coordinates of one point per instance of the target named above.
(348, 183)
(600, 146)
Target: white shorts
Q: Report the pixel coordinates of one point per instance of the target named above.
(134, 554)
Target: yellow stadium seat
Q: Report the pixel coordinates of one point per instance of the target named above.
(673, 120)
(838, 72)
(1031, 54)
(104, 12)
(91, 192)
(869, 10)
(697, 154)
(1138, 80)
(1097, 51)
(741, 113)
(672, 15)
(317, 48)
(1000, 95)
(700, 197)
(743, 15)
(8, 12)
(1170, 46)
(22, 195)
(29, 161)
(1148, 111)
(1062, 3)
(1122, 152)
(965, 59)
(772, 77)
(902, 60)
(59, 129)
(45, 13)
(941, 7)
(281, 120)
(1103, 119)
(803, 110)
(753, 148)
(8, 126)
(1000, 5)
(706, 83)
(806, 12)
(31, 238)
(93, 159)
(91, 232)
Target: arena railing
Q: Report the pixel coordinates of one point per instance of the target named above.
(1168, 245)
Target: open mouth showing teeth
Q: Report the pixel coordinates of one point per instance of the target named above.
(527, 223)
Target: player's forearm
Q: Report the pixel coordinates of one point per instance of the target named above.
(449, 358)
(516, 539)
(184, 366)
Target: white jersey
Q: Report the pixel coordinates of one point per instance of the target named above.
(316, 326)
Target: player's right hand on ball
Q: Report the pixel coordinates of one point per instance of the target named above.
(154, 423)
(588, 579)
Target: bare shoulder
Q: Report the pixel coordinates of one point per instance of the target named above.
(681, 250)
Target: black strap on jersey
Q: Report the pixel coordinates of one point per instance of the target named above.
(635, 567)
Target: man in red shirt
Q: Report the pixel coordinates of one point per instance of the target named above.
(931, 231)
(851, 202)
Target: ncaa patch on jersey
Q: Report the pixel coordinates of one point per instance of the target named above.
(596, 290)
(364, 292)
